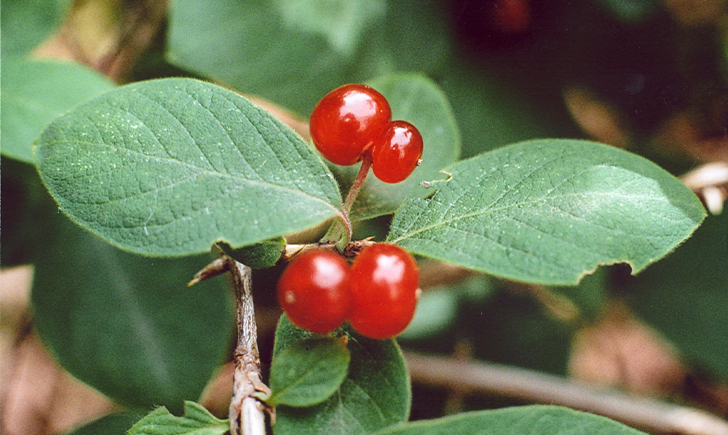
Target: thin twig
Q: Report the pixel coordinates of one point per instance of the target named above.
(636, 411)
(217, 267)
(246, 410)
(710, 183)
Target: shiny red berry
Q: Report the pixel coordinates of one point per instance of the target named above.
(347, 121)
(314, 291)
(397, 153)
(385, 289)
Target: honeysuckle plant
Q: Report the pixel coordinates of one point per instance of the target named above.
(146, 187)
(171, 167)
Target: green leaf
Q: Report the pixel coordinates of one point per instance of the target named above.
(293, 52)
(112, 424)
(412, 36)
(195, 421)
(341, 22)
(549, 212)
(37, 91)
(258, 50)
(498, 329)
(375, 394)
(436, 311)
(258, 255)
(27, 211)
(308, 372)
(128, 325)
(418, 100)
(685, 297)
(522, 420)
(26, 23)
(167, 167)
(588, 298)
(493, 111)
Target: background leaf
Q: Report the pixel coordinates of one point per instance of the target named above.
(513, 328)
(28, 212)
(341, 23)
(418, 100)
(256, 49)
(549, 211)
(195, 421)
(524, 420)
(26, 23)
(436, 312)
(685, 297)
(128, 325)
(492, 111)
(412, 36)
(37, 91)
(308, 372)
(375, 394)
(167, 167)
(292, 53)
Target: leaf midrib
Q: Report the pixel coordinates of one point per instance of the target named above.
(505, 207)
(194, 169)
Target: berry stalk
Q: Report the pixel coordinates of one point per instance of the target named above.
(366, 163)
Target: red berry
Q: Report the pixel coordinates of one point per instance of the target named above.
(397, 153)
(314, 291)
(385, 289)
(512, 16)
(347, 121)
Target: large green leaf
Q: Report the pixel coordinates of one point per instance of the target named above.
(685, 297)
(375, 394)
(128, 325)
(550, 211)
(523, 420)
(418, 100)
(37, 91)
(195, 421)
(167, 167)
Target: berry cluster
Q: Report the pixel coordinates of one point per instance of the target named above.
(378, 293)
(354, 120)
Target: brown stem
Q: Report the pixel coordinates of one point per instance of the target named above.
(340, 231)
(366, 163)
(641, 412)
(246, 409)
